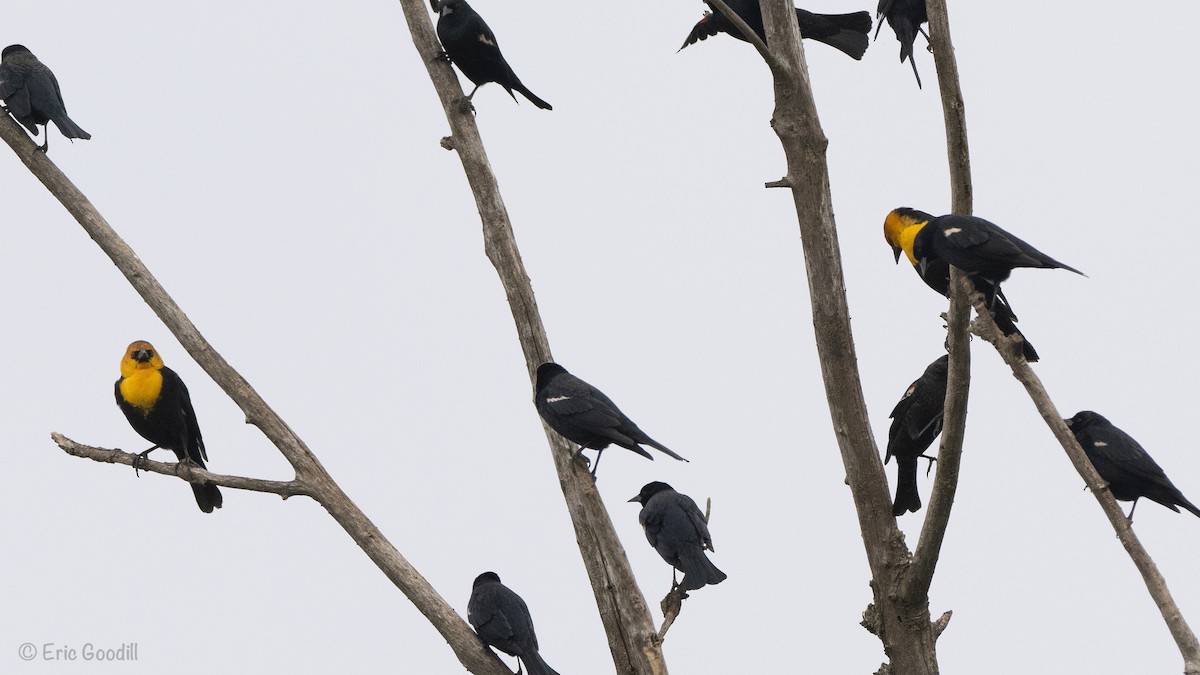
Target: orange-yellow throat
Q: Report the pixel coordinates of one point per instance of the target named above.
(141, 381)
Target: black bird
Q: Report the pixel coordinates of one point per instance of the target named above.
(676, 528)
(158, 406)
(905, 17)
(31, 93)
(1122, 462)
(899, 225)
(502, 620)
(472, 46)
(916, 422)
(845, 32)
(582, 414)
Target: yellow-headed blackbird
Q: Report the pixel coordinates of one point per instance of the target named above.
(676, 528)
(582, 414)
(471, 46)
(1122, 462)
(905, 17)
(848, 33)
(916, 422)
(502, 620)
(157, 405)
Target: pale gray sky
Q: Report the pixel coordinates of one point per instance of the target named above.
(277, 166)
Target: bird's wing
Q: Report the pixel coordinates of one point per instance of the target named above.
(696, 516)
(704, 29)
(1122, 450)
(176, 397)
(963, 232)
(8, 82)
(651, 521)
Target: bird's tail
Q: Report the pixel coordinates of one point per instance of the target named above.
(534, 665)
(208, 497)
(907, 497)
(1005, 320)
(655, 444)
(698, 572)
(849, 33)
(1189, 506)
(531, 96)
(68, 128)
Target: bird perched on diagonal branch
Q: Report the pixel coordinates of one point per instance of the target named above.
(31, 93)
(472, 46)
(1130, 471)
(582, 414)
(676, 528)
(501, 618)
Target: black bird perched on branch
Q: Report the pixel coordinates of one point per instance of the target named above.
(582, 414)
(845, 32)
(916, 422)
(502, 620)
(472, 46)
(158, 406)
(905, 17)
(899, 227)
(676, 528)
(1122, 462)
(31, 93)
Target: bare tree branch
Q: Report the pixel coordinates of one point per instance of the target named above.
(904, 628)
(187, 471)
(1185, 639)
(470, 650)
(624, 612)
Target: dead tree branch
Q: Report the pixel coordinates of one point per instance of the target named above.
(632, 638)
(466, 645)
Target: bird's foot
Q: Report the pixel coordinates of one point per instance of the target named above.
(466, 107)
(442, 56)
(141, 457)
(931, 461)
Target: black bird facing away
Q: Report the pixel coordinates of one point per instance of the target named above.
(31, 93)
(916, 422)
(1122, 462)
(676, 528)
(582, 414)
(502, 620)
(905, 17)
(158, 406)
(472, 46)
(899, 225)
(845, 32)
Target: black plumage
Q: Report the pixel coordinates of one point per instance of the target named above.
(936, 275)
(676, 528)
(916, 422)
(31, 94)
(845, 32)
(472, 46)
(582, 414)
(502, 620)
(157, 404)
(1130, 471)
(905, 17)
(979, 247)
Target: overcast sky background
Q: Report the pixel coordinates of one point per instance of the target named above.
(277, 166)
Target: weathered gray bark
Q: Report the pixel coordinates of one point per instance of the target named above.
(632, 638)
(316, 482)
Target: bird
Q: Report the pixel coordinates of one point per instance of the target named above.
(1122, 462)
(502, 620)
(157, 404)
(903, 224)
(905, 17)
(31, 94)
(916, 422)
(845, 32)
(472, 46)
(582, 414)
(677, 529)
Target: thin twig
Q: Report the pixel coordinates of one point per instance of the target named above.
(189, 472)
(745, 30)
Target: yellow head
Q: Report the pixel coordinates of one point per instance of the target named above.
(140, 355)
(901, 227)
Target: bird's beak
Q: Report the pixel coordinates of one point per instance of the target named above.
(141, 355)
(897, 251)
(635, 498)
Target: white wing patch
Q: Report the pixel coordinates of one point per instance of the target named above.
(556, 399)
(951, 231)
(1099, 444)
(485, 40)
